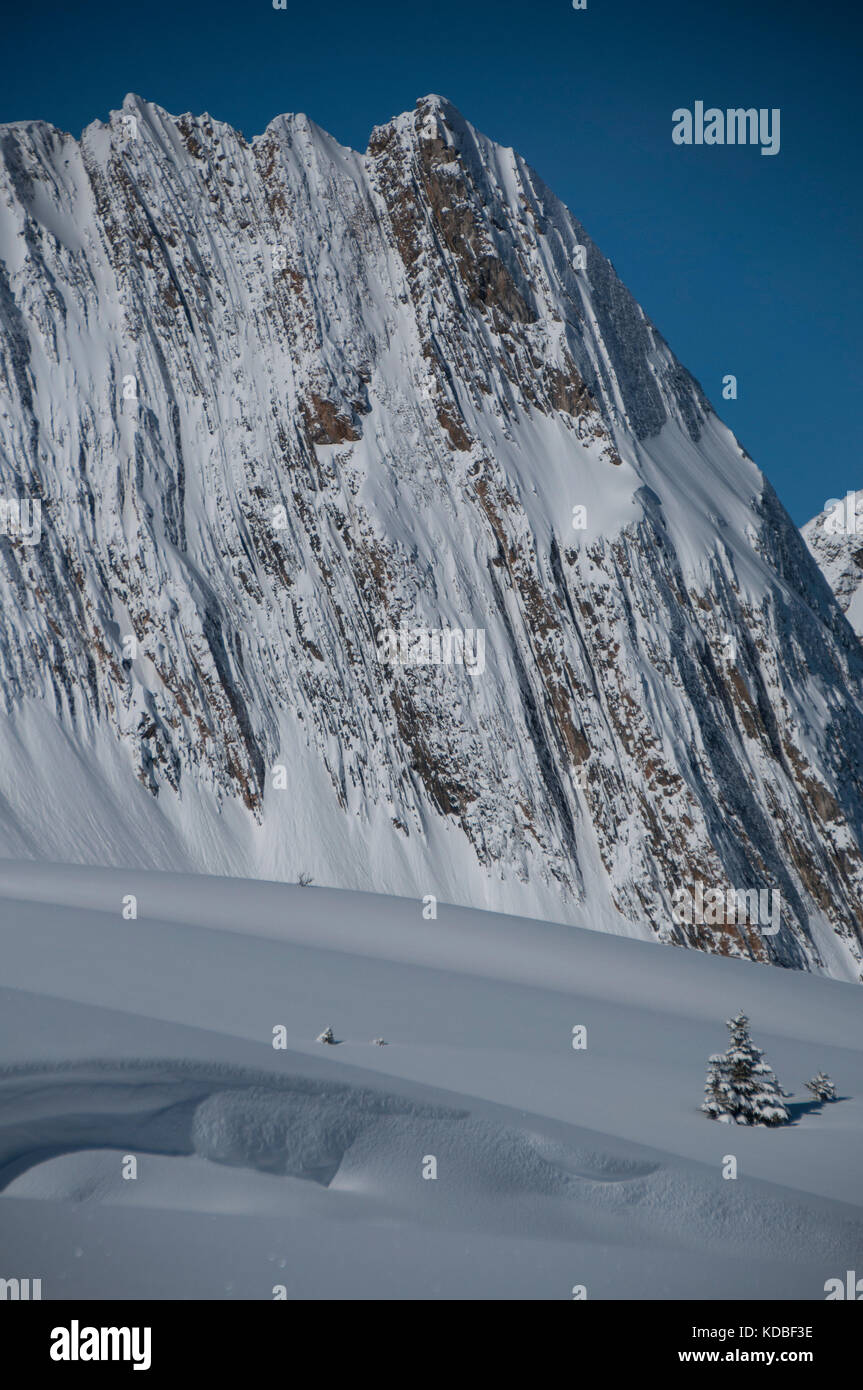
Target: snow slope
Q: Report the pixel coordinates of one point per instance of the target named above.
(278, 398)
(300, 1168)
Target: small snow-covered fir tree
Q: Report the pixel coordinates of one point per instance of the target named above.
(822, 1087)
(741, 1089)
(326, 1036)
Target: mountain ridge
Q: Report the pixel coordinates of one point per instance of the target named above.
(370, 391)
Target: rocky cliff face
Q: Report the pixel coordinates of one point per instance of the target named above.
(278, 399)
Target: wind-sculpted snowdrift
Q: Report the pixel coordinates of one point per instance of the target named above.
(371, 1143)
(197, 1142)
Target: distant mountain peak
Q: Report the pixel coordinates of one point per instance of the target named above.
(835, 539)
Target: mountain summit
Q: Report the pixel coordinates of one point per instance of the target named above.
(383, 539)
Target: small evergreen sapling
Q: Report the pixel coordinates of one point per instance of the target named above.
(326, 1036)
(741, 1089)
(822, 1087)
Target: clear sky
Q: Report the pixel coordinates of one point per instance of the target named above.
(747, 263)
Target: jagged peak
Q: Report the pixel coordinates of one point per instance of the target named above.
(442, 108)
(431, 116)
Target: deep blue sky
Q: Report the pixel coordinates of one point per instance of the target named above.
(747, 263)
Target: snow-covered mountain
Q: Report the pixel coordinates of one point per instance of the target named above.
(837, 547)
(278, 399)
